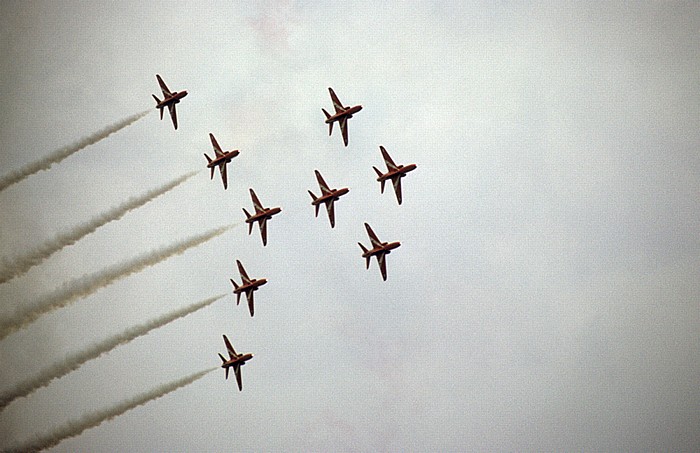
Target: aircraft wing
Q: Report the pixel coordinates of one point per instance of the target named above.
(256, 203)
(163, 87)
(222, 169)
(244, 275)
(381, 258)
(229, 348)
(250, 295)
(263, 230)
(336, 102)
(217, 148)
(387, 159)
(237, 370)
(322, 184)
(372, 237)
(344, 129)
(173, 114)
(331, 212)
(396, 181)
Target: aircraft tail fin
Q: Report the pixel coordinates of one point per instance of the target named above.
(250, 225)
(158, 102)
(235, 287)
(364, 251)
(212, 168)
(223, 360)
(382, 181)
(314, 198)
(330, 125)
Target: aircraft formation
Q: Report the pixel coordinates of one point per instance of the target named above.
(262, 215)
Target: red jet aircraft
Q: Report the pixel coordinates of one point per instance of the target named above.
(220, 159)
(379, 249)
(169, 100)
(342, 114)
(328, 196)
(236, 361)
(262, 215)
(247, 286)
(394, 172)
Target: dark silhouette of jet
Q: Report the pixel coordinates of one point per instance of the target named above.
(235, 360)
(262, 215)
(379, 249)
(394, 172)
(328, 196)
(342, 114)
(170, 99)
(247, 286)
(221, 158)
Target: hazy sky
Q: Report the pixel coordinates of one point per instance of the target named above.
(546, 293)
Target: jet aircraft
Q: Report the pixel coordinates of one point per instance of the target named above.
(236, 361)
(221, 158)
(342, 114)
(328, 196)
(170, 99)
(247, 286)
(379, 249)
(262, 215)
(394, 172)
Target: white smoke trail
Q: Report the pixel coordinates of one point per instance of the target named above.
(88, 284)
(57, 156)
(75, 361)
(76, 427)
(20, 265)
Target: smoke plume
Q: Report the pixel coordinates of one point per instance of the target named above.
(20, 265)
(76, 427)
(88, 284)
(74, 362)
(57, 156)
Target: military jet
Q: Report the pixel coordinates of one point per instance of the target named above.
(328, 196)
(379, 249)
(247, 286)
(262, 215)
(236, 361)
(394, 172)
(221, 158)
(170, 99)
(342, 114)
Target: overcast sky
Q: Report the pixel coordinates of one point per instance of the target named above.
(546, 292)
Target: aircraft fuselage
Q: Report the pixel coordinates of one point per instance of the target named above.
(331, 196)
(347, 113)
(400, 172)
(224, 159)
(385, 249)
(242, 359)
(252, 286)
(267, 213)
(174, 99)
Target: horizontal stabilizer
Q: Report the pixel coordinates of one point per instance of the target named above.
(250, 225)
(364, 250)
